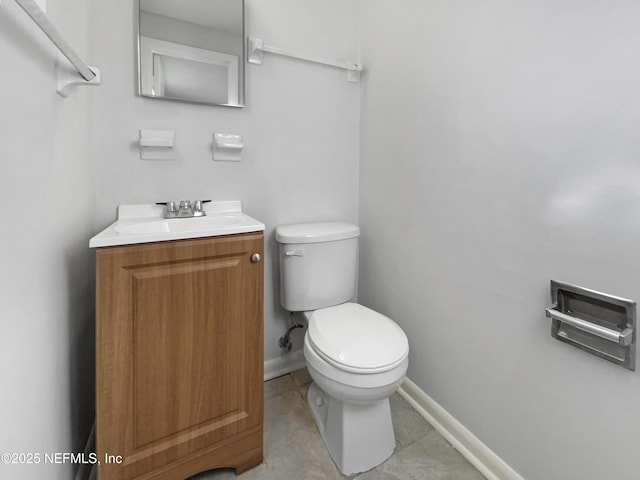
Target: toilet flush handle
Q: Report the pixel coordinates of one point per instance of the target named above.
(294, 253)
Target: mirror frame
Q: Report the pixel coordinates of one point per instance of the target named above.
(138, 66)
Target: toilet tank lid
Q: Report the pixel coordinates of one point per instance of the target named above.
(316, 232)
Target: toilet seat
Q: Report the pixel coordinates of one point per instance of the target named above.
(356, 339)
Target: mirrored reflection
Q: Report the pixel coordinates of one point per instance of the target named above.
(192, 50)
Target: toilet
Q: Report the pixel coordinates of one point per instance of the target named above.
(356, 357)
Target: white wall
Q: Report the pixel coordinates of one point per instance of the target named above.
(499, 149)
(46, 279)
(300, 129)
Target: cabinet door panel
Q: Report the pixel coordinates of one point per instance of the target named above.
(179, 353)
(187, 348)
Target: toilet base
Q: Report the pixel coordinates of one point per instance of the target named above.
(358, 437)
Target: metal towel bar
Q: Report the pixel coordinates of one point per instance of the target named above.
(37, 15)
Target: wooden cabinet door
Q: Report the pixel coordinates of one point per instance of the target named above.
(179, 357)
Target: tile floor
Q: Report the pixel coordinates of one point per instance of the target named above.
(293, 449)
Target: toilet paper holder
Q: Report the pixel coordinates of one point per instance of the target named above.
(601, 324)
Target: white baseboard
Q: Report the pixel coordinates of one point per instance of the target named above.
(282, 365)
(471, 448)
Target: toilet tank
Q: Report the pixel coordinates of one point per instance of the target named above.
(318, 263)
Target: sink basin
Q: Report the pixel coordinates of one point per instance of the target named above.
(144, 224)
(178, 225)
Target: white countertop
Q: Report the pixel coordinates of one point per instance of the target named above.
(145, 223)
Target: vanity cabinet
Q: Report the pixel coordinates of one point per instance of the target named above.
(179, 357)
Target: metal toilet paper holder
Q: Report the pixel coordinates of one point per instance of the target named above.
(596, 322)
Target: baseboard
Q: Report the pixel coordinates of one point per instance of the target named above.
(471, 448)
(287, 363)
(84, 471)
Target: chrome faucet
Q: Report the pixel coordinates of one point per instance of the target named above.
(184, 209)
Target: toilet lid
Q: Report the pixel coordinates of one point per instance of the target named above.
(357, 338)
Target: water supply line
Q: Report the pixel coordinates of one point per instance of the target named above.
(285, 341)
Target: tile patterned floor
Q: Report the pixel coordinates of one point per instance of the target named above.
(293, 449)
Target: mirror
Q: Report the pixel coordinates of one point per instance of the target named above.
(192, 50)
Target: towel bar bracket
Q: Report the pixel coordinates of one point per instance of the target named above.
(68, 80)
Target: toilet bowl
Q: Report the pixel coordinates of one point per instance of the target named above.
(356, 357)
(349, 398)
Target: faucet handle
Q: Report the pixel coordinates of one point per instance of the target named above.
(198, 208)
(172, 207)
(171, 210)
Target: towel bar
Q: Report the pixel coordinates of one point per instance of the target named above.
(87, 75)
(255, 48)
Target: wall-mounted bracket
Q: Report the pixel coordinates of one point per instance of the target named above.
(227, 147)
(157, 144)
(69, 79)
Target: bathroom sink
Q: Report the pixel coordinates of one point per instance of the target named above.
(145, 223)
(193, 224)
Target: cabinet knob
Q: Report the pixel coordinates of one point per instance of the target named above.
(255, 258)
